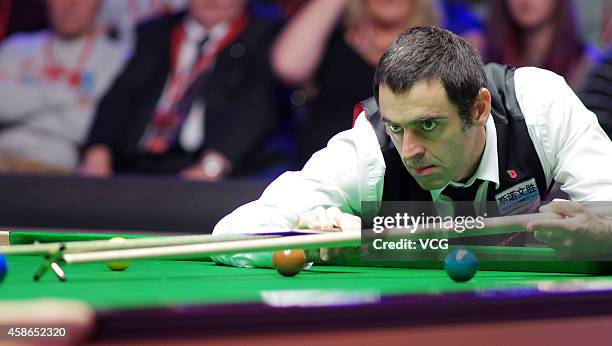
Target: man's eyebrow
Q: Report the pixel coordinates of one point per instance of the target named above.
(430, 117)
(417, 120)
(387, 121)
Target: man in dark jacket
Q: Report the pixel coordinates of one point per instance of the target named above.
(196, 99)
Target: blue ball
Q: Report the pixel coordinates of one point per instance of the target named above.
(3, 266)
(461, 265)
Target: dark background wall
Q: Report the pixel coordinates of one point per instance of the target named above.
(122, 203)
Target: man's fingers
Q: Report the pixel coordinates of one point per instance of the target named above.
(326, 220)
(311, 219)
(562, 251)
(331, 219)
(344, 221)
(302, 222)
(350, 222)
(556, 225)
(324, 254)
(328, 254)
(553, 237)
(550, 229)
(543, 235)
(563, 207)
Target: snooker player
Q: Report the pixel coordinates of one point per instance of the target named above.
(443, 128)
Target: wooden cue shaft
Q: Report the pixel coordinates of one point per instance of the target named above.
(310, 241)
(492, 226)
(105, 245)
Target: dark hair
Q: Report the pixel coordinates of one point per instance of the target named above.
(505, 39)
(430, 53)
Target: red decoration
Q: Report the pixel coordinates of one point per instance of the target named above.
(164, 121)
(74, 80)
(157, 145)
(54, 72)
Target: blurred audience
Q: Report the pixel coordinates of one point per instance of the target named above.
(592, 17)
(120, 17)
(330, 49)
(597, 92)
(606, 31)
(281, 9)
(50, 82)
(463, 21)
(22, 16)
(197, 98)
(541, 33)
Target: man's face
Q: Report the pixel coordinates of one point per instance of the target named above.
(212, 12)
(72, 18)
(427, 132)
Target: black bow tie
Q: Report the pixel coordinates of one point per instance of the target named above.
(462, 194)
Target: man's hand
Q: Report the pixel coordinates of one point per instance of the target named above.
(333, 220)
(581, 234)
(330, 219)
(195, 172)
(97, 162)
(214, 166)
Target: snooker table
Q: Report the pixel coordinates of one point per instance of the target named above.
(191, 301)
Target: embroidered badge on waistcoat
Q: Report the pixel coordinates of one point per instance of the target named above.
(522, 197)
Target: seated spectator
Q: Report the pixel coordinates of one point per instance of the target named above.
(50, 82)
(540, 33)
(196, 99)
(120, 17)
(597, 92)
(334, 60)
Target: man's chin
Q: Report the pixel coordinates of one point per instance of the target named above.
(71, 34)
(430, 184)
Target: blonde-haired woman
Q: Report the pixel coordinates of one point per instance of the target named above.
(331, 48)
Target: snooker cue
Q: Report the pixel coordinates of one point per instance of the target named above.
(492, 226)
(104, 245)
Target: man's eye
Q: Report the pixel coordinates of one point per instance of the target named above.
(394, 128)
(429, 125)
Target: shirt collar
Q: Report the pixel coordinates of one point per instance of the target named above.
(488, 168)
(195, 32)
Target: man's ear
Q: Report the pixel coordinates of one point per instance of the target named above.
(482, 107)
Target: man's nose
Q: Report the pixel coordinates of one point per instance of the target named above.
(411, 147)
